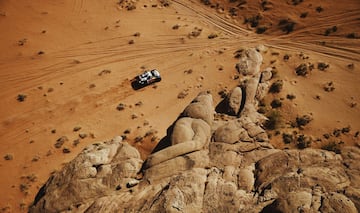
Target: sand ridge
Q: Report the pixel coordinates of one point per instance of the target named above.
(55, 52)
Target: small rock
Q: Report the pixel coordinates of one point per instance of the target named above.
(77, 128)
(61, 141)
(66, 150)
(121, 107)
(8, 157)
(83, 135)
(132, 183)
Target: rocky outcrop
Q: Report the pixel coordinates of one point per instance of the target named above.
(216, 162)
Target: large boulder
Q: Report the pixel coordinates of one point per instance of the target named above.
(215, 162)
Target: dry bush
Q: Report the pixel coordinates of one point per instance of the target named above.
(276, 87)
(332, 146)
(276, 103)
(253, 20)
(261, 30)
(302, 70)
(302, 121)
(303, 141)
(323, 66)
(274, 120)
(286, 25)
(21, 97)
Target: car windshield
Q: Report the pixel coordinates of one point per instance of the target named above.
(145, 75)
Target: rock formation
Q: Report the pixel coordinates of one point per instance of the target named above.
(215, 162)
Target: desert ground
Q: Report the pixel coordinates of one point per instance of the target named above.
(66, 67)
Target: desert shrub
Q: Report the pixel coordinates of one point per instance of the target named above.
(337, 132)
(329, 87)
(302, 69)
(330, 30)
(261, 30)
(351, 35)
(332, 146)
(206, 2)
(165, 3)
(276, 87)
(286, 25)
(276, 103)
(296, 2)
(274, 120)
(287, 138)
(233, 11)
(253, 20)
(302, 121)
(346, 129)
(303, 141)
(304, 15)
(21, 97)
(319, 9)
(323, 66)
(290, 97)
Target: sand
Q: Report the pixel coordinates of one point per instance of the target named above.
(74, 61)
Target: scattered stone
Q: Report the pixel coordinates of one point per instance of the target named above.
(8, 157)
(53, 131)
(61, 141)
(104, 72)
(121, 107)
(76, 128)
(83, 135)
(76, 142)
(182, 94)
(66, 150)
(137, 34)
(140, 103)
(134, 116)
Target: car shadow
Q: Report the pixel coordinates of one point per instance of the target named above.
(135, 85)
